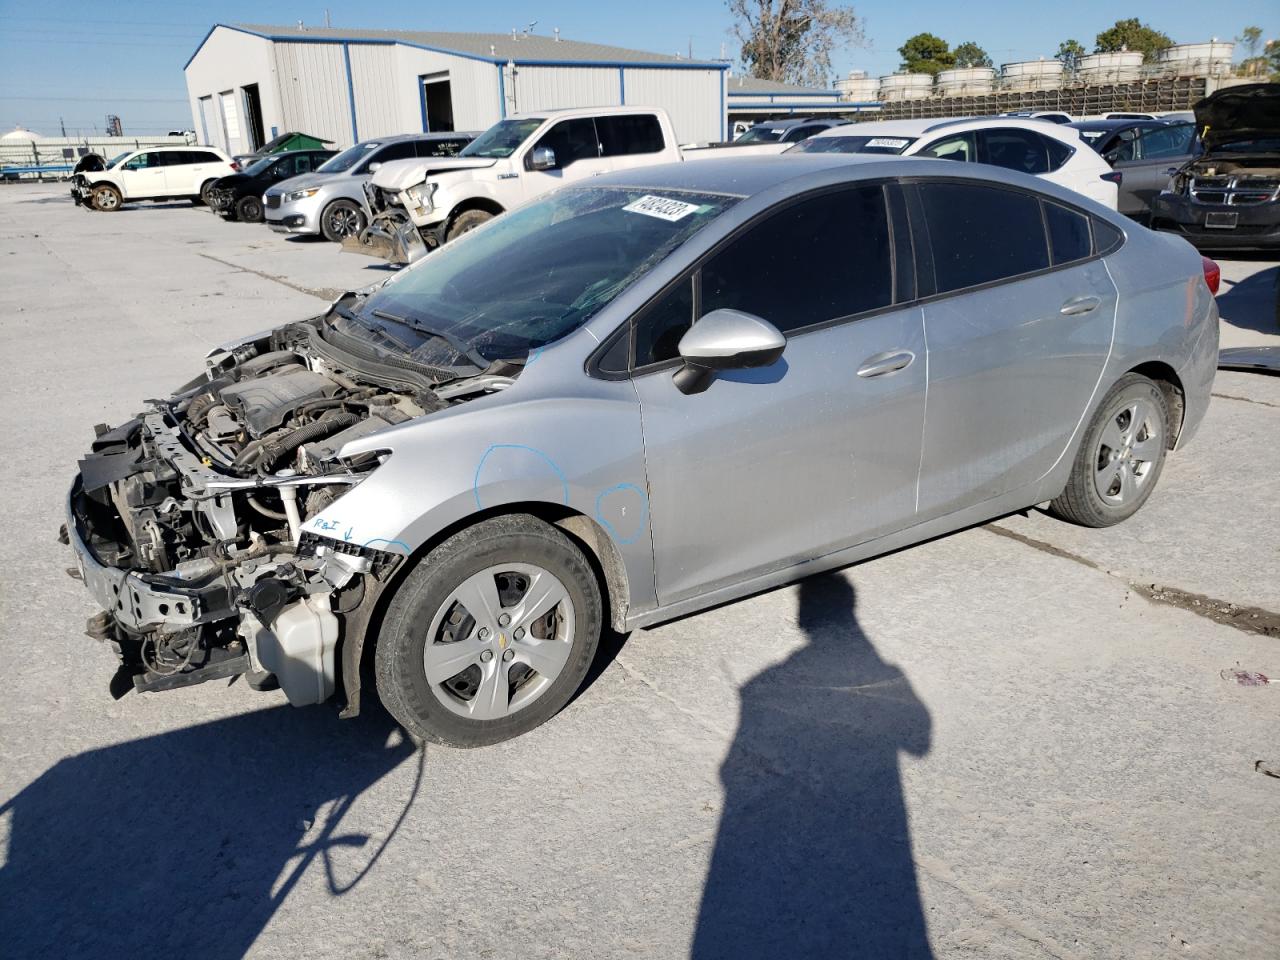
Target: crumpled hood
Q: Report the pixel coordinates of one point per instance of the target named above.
(1245, 112)
(305, 180)
(401, 174)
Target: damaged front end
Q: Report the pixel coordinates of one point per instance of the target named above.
(391, 234)
(186, 522)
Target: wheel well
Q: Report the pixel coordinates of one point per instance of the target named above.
(1166, 378)
(107, 183)
(356, 647)
(475, 203)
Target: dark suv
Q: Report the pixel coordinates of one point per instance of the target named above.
(239, 196)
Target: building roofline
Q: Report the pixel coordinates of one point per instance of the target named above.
(397, 41)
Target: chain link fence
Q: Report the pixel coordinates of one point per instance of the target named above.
(53, 158)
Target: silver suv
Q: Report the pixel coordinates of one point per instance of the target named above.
(331, 201)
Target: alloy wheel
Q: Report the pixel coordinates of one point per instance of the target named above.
(344, 221)
(1128, 450)
(499, 641)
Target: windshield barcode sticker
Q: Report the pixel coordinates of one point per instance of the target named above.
(661, 207)
(887, 142)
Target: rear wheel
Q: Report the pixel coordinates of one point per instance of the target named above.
(107, 198)
(249, 209)
(1120, 458)
(342, 218)
(465, 222)
(490, 635)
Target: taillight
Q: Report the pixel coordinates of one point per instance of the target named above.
(1212, 274)
(235, 165)
(1112, 176)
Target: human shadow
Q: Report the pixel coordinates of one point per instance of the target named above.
(813, 855)
(1251, 303)
(185, 844)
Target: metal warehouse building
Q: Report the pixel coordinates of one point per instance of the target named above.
(247, 83)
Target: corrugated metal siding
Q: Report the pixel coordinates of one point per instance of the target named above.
(549, 88)
(373, 74)
(691, 97)
(313, 89)
(473, 85)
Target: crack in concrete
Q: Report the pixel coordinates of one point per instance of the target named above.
(323, 293)
(1244, 618)
(1261, 403)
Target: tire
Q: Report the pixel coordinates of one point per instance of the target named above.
(342, 218)
(203, 199)
(249, 209)
(496, 692)
(465, 222)
(1120, 458)
(107, 198)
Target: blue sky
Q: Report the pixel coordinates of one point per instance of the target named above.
(77, 61)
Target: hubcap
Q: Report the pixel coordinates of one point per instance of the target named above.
(106, 200)
(499, 640)
(1127, 452)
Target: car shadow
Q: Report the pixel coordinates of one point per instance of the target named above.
(1250, 304)
(185, 844)
(813, 854)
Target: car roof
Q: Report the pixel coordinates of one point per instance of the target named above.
(918, 128)
(584, 112)
(787, 123)
(1116, 124)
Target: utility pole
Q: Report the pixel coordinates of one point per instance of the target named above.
(691, 48)
(63, 125)
(326, 18)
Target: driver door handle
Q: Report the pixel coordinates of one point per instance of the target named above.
(882, 364)
(1078, 305)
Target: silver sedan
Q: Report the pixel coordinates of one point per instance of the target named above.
(628, 401)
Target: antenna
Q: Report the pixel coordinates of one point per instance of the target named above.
(326, 18)
(529, 29)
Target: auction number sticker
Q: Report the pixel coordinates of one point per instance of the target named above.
(661, 207)
(887, 142)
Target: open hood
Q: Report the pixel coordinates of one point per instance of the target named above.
(400, 174)
(1246, 112)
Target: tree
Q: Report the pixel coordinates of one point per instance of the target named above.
(1070, 52)
(792, 40)
(1132, 34)
(925, 53)
(969, 54)
(1251, 39)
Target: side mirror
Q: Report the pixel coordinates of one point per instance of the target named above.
(726, 340)
(375, 167)
(542, 158)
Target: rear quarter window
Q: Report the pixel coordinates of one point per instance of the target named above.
(1070, 238)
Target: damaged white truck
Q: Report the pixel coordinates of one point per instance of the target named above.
(419, 205)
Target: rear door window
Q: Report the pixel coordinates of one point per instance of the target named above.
(820, 259)
(980, 234)
(1014, 149)
(627, 135)
(1162, 142)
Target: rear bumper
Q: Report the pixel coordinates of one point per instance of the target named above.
(1257, 225)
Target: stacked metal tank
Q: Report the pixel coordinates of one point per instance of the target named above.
(906, 86)
(1027, 75)
(965, 82)
(1121, 66)
(858, 87)
(1212, 59)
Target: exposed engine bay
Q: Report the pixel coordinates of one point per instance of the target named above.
(1237, 181)
(187, 520)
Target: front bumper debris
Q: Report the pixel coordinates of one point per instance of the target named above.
(390, 236)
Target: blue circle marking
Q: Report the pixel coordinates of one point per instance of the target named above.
(641, 523)
(564, 481)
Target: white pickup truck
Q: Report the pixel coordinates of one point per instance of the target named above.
(420, 204)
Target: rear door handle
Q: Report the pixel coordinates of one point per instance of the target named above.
(1078, 305)
(883, 364)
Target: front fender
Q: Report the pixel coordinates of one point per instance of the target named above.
(582, 453)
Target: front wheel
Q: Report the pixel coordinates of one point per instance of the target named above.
(465, 222)
(490, 634)
(249, 209)
(206, 190)
(107, 198)
(341, 219)
(1121, 456)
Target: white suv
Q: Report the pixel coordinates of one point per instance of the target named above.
(153, 173)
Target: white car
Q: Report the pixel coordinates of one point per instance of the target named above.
(153, 173)
(1047, 150)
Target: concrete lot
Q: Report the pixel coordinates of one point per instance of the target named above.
(1013, 742)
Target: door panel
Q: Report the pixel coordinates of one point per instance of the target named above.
(771, 467)
(1010, 375)
(143, 176)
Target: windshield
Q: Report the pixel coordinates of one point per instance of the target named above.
(762, 134)
(119, 157)
(534, 275)
(502, 139)
(258, 166)
(865, 144)
(349, 157)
